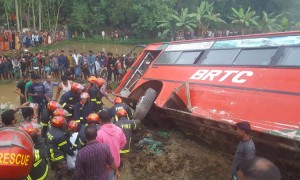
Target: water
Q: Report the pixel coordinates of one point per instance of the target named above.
(9, 99)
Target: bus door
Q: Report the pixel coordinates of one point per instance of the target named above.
(138, 72)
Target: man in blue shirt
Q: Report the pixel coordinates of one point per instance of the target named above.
(38, 92)
(63, 63)
(91, 58)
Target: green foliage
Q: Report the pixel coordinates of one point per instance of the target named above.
(269, 22)
(244, 20)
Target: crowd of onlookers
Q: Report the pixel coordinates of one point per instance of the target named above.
(80, 65)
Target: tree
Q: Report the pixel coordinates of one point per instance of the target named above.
(205, 15)
(169, 25)
(269, 22)
(244, 20)
(17, 15)
(185, 21)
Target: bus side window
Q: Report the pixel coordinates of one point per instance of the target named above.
(188, 57)
(168, 57)
(220, 57)
(290, 57)
(260, 57)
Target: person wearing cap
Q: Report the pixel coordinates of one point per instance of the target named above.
(245, 149)
(118, 105)
(83, 108)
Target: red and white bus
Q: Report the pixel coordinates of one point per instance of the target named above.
(205, 86)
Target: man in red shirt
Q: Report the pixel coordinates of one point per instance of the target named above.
(93, 159)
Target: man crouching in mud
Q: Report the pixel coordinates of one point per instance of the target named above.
(246, 148)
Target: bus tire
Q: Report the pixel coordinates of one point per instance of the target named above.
(145, 103)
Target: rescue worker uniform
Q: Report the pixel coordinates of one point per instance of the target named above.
(81, 140)
(93, 90)
(45, 119)
(39, 170)
(68, 100)
(57, 147)
(128, 126)
(115, 108)
(81, 111)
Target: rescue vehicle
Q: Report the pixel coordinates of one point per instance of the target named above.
(205, 86)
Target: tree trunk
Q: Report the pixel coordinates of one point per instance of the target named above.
(7, 18)
(40, 15)
(33, 15)
(28, 20)
(17, 15)
(57, 15)
(21, 16)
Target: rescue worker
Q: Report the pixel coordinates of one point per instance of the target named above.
(92, 120)
(47, 114)
(118, 104)
(103, 92)
(40, 167)
(128, 127)
(62, 112)
(72, 127)
(15, 144)
(83, 108)
(58, 146)
(93, 90)
(71, 97)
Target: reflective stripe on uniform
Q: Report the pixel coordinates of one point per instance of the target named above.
(45, 174)
(94, 100)
(77, 121)
(64, 104)
(43, 124)
(81, 118)
(36, 154)
(62, 143)
(28, 177)
(82, 143)
(53, 158)
(37, 163)
(116, 118)
(98, 102)
(124, 151)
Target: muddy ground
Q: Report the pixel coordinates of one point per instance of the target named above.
(178, 158)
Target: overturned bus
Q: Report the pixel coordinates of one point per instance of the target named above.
(205, 86)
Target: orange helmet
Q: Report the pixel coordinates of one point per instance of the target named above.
(15, 145)
(58, 121)
(93, 118)
(52, 105)
(100, 81)
(92, 79)
(72, 126)
(77, 88)
(61, 112)
(122, 113)
(118, 100)
(30, 128)
(84, 95)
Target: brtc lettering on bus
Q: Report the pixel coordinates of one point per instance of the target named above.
(222, 75)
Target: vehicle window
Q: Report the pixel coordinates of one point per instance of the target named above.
(188, 58)
(221, 57)
(168, 57)
(291, 57)
(261, 57)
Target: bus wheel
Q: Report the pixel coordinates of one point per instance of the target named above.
(144, 104)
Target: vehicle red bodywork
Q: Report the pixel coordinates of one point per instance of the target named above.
(269, 99)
